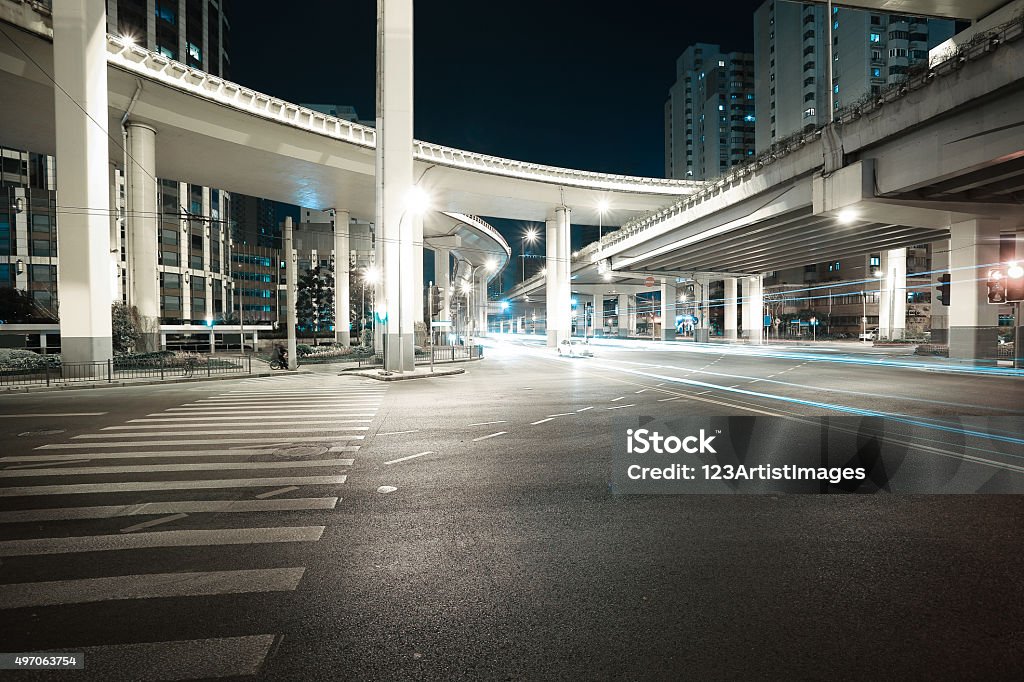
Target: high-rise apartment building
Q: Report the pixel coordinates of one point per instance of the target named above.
(193, 32)
(870, 50)
(709, 115)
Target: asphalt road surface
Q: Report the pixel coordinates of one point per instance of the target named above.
(323, 527)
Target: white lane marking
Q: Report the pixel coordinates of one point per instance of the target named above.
(617, 399)
(181, 660)
(153, 522)
(396, 433)
(640, 391)
(541, 421)
(248, 418)
(279, 491)
(298, 402)
(562, 414)
(69, 459)
(584, 409)
(219, 432)
(619, 407)
(277, 409)
(201, 441)
(148, 586)
(402, 459)
(191, 466)
(385, 489)
(665, 400)
(343, 448)
(499, 433)
(499, 421)
(240, 425)
(166, 538)
(30, 415)
(135, 486)
(154, 508)
(47, 461)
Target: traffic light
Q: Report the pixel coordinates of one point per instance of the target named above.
(1014, 283)
(435, 300)
(943, 288)
(996, 287)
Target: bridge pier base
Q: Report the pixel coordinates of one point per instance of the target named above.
(342, 266)
(668, 310)
(973, 323)
(892, 301)
(622, 310)
(731, 298)
(753, 304)
(558, 291)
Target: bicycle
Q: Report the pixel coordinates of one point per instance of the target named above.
(188, 370)
(281, 364)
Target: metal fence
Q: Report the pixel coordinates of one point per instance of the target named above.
(126, 368)
(440, 354)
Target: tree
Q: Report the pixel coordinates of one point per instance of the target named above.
(315, 300)
(125, 328)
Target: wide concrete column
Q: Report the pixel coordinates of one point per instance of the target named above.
(598, 316)
(623, 314)
(80, 113)
(342, 283)
(892, 303)
(973, 323)
(668, 310)
(753, 304)
(142, 230)
(939, 313)
(731, 300)
(394, 177)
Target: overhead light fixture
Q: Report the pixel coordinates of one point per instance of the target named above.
(846, 216)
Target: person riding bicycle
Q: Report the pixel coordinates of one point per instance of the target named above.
(281, 355)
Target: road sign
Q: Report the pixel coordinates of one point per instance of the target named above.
(767, 320)
(649, 282)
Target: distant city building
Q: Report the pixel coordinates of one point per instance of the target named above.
(709, 115)
(870, 49)
(193, 32)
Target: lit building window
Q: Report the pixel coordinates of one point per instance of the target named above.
(876, 37)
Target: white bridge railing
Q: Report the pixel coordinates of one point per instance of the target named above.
(154, 66)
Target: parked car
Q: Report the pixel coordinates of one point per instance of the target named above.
(869, 335)
(575, 348)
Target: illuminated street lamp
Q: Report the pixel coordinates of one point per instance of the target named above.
(602, 208)
(530, 236)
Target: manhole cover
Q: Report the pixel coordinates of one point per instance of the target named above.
(44, 432)
(300, 451)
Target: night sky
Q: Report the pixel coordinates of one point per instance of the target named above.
(562, 82)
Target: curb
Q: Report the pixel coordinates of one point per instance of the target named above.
(127, 384)
(373, 374)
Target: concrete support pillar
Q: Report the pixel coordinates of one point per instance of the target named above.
(939, 313)
(731, 299)
(342, 283)
(668, 310)
(115, 235)
(633, 312)
(143, 228)
(973, 323)
(702, 333)
(394, 221)
(291, 293)
(520, 324)
(80, 113)
(892, 303)
(418, 309)
(753, 305)
(597, 319)
(558, 291)
(481, 304)
(623, 314)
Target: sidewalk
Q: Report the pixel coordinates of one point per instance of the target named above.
(122, 383)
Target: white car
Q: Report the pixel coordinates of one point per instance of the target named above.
(869, 335)
(575, 348)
